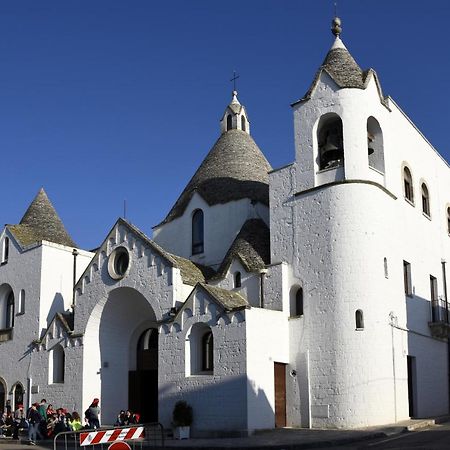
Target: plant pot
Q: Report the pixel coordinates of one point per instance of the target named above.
(182, 432)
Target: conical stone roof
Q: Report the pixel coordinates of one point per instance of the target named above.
(340, 65)
(41, 223)
(234, 169)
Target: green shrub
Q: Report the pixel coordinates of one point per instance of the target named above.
(182, 414)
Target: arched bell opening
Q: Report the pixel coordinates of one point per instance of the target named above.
(375, 150)
(111, 364)
(330, 142)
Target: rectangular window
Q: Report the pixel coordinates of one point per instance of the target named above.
(5, 250)
(435, 307)
(407, 278)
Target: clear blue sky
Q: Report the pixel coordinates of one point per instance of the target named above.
(107, 100)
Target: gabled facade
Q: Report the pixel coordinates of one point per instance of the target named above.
(312, 295)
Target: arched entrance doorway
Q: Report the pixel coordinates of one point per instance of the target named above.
(143, 382)
(110, 355)
(2, 395)
(18, 392)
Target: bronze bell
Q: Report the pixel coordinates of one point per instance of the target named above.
(370, 139)
(332, 154)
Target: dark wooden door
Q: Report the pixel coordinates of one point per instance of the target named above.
(143, 394)
(280, 394)
(411, 384)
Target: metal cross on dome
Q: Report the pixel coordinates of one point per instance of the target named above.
(235, 77)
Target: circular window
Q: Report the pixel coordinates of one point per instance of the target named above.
(118, 263)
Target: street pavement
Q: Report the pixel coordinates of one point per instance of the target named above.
(423, 436)
(436, 437)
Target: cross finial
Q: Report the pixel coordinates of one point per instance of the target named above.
(235, 77)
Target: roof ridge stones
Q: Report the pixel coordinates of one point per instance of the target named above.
(234, 169)
(41, 222)
(229, 300)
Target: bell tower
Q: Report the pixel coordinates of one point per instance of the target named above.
(338, 122)
(235, 116)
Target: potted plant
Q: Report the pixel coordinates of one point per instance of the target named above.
(182, 420)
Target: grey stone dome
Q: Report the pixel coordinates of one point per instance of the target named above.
(234, 169)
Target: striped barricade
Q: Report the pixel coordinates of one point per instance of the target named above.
(105, 436)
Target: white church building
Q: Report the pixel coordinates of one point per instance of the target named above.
(311, 295)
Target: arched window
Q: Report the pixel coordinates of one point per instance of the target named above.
(21, 301)
(299, 302)
(200, 350)
(17, 392)
(407, 185)
(208, 352)
(147, 350)
(448, 220)
(330, 141)
(56, 364)
(10, 310)
(243, 127)
(375, 144)
(359, 318)
(425, 200)
(237, 280)
(229, 122)
(5, 250)
(197, 232)
(296, 302)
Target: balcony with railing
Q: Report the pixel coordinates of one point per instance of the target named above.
(439, 325)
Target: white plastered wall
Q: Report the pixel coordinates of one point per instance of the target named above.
(222, 223)
(218, 400)
(22, 271)
(267, 343)
(57, 279)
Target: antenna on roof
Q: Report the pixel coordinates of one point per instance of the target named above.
(124, 208)
(335, 9)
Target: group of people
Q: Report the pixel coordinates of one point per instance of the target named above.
(43, 421)
(125, 418)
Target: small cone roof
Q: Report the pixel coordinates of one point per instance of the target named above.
(41, 223)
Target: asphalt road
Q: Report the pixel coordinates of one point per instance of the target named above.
(433, 438)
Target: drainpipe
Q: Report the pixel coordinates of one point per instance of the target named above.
(392, 322)
(444, 281)
(75, 254)
(262, 274)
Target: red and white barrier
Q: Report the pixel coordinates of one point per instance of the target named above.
(105, 436)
